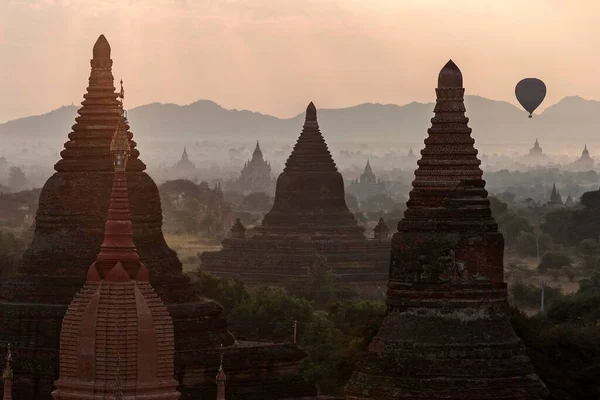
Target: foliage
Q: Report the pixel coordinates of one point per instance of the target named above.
(379, 202)
(588, 247)
(16, 179)
(11, 249)
(269, 314)
(510, 224)
(526, 244)
(527, 295)
(553, 259)
(558, 225)
(229, 292)
(321, 285)
(257, 202)
(582, 306)
(565, 356)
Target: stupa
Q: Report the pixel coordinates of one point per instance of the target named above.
(117, 336)
(68, 236)
(446, 334)
(309, 216)
(583, 163)
(555, 197)
(367, 184)
(255, 176)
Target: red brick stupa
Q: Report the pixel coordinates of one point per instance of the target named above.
(117, 336)
(309, 216)
(447, 334)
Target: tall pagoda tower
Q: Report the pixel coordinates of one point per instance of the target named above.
(446, 334)
(117, 336)
(309, 215)
(68, 237)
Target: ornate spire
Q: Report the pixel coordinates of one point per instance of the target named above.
(368, 167)
(7, 375)
(118, 243)
(101, 49)
(184, 156)
(257, 155)
(221, 378)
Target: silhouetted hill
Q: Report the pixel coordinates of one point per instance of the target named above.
(492, 122)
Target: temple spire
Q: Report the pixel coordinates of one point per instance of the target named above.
(7, 375)
(257, 155)
(118, 246)
(101, 49)
(368, 166)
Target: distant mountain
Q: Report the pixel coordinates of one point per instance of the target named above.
(492, 122)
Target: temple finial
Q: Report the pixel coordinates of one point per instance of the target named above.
(122, 93)
(450, 76)
(311, 112)
(101, 49)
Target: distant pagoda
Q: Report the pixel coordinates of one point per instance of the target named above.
(309, 216)
(367, 185)
(447, 334)
(256, 175)
(536, 150)
(583, 163)
(68, 236)
(184, 167)
(555, 197)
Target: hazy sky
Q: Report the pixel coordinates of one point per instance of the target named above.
(274, 56)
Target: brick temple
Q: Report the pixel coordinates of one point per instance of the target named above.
(447, 334)
(117, 338)
(69, 232)
(309, 216)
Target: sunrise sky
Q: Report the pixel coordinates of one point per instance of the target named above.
(274, 56)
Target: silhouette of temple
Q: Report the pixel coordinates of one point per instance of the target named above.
(367, 184)
(184, 167)
(583, 163)
(555, 197)
(446, 334)
(309, 216)
(255, 176)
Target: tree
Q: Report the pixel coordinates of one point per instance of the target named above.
(558, 225)
(269, 314)
(11, 249)
(257, 202)
(588, 247)
(553, 260)
(527, 244)
(16, 179)
(378, 202)
(229, 292)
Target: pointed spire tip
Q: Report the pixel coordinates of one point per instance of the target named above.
(450, 76)
(311, 112)
(101, 48)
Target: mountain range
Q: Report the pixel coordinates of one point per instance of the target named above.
(493, 122)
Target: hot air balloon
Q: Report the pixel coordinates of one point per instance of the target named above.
(530, 92)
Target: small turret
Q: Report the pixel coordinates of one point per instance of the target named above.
(381, 231)
(238, 231)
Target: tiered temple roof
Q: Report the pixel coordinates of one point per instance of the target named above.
(446, 334)
(555, 197)
(117, 335)
(309, 215)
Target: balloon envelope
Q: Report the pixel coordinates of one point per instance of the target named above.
(530, 92)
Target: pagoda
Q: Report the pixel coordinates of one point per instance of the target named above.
(555, 197)
(309, 215)
(69, 233)
(116, 326)
(447, 334)
(256, 175)
(367, 184)
(184, 167)
(585, 162)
